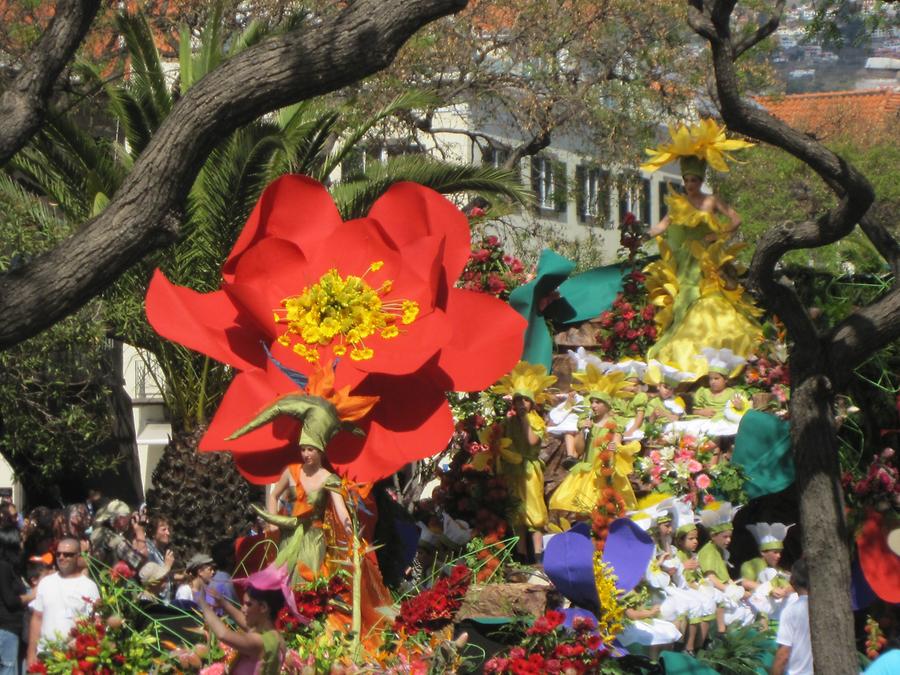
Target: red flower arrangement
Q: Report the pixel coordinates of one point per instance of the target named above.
(287, 283)
(490, 270)
(314, 601)
(435, 607)
(549, 647)
(628, 329)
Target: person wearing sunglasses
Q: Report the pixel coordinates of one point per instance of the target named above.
(60, 599)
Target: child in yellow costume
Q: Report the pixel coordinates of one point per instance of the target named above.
(519, 460)
(700, 304)
(666, 405)
(581, 489)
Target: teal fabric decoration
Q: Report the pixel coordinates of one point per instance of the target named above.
(679, 663)
(763, 447)
(586, 295)
(552, 270)
(582, 297)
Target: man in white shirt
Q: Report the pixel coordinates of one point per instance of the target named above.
(794, 655)
(61, 598)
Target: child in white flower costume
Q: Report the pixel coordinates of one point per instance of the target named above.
(713, 557)
(769, 584)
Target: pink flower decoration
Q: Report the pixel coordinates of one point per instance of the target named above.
(655, 457)
(694, 466)
(703, 481)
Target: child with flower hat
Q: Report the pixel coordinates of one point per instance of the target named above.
(713, 558)
(703, 608)
(718, 408)
(664, 576)
(608, 461)
(630, 403)
(769, 584)
(520, 447)
(666, 405)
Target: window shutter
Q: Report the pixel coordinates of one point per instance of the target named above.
(536, 181)
(560, 187)
(580, 198)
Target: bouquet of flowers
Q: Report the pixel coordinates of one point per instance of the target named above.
(490, 270)
(878, 488)
(550, 647)
(627, 329)
(683, 465)
(435, 607)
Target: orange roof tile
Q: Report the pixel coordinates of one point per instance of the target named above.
(862, 114)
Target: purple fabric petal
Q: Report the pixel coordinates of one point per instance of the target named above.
(629, 550)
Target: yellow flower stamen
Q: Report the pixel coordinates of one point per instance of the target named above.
(345, 310)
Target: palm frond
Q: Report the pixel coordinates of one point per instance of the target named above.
(408, 100)
(148, 81)
(355, 197)
(32, 207)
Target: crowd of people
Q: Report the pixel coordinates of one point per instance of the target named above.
(49, 559)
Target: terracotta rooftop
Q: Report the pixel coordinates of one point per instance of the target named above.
(862, 114)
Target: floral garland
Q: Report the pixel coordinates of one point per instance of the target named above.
(610, 505)
(611, 617)
(875, 639)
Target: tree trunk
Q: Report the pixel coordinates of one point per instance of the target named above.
(826, 542)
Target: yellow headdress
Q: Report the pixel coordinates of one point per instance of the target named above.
(605, 387)
(704, 141)
(528, 380)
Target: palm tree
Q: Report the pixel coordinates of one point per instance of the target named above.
(203, 494)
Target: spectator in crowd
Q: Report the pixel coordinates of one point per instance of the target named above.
(108, 542)
(8, 510)
(60, 599)
(35, 570)
(223, 558)
(14, 597)
(153, 577)
(159, 551)
(94, 502)
(200, 569)
(37, 532)
(794, 654)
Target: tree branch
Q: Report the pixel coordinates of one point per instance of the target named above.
(765, 30)
(306, 62)
(884, 243)
(862, 333)
(23, 104)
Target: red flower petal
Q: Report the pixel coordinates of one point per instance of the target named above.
(295, 208)
(408, 211)
(475, 358)
(412, 420)
(209, 323)
(880, 565)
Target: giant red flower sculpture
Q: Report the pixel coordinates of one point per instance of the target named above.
(374, 294)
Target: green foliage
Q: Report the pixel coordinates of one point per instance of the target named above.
(738, 652)
(772, 188)
(55, 388)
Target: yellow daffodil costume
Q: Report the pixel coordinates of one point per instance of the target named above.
(517, 460)
(580, 490)
(699, 303)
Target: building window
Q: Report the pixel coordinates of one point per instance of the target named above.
(592, 195)
(495, 156)
(548, 180)
(645, 202)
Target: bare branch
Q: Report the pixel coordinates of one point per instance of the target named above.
(23, 104)
(765, 30)
(308, 61)
(884, 243)
(700, 21)
(862, 333)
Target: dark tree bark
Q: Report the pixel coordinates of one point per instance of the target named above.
(23, 104)
(820, 362)
(144, 214)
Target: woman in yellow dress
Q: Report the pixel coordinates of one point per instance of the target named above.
(581, 489)
(700, 304)
(519, 460)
